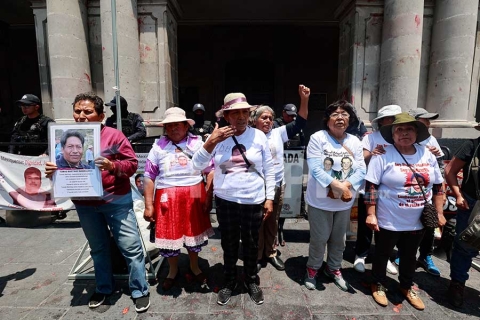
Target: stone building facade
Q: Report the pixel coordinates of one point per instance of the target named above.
(413, 53)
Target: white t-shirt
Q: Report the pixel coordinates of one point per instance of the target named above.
(432, 142)
(233, 181)
(400, 199)
(323, 147)
(276, 138)
(173, 166)
(372, 140)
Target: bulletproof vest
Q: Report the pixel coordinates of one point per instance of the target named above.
(128, 124)
(36, 133)
(203, 130)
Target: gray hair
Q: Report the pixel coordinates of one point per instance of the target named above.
(254, 115)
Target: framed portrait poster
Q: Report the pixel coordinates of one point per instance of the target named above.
(73, 148)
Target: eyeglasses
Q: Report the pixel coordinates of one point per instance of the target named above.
(338, 115)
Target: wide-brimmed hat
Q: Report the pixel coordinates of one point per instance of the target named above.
(422, 113)
(387, 111)
(404, 118)
(234, 101)
(175, 115)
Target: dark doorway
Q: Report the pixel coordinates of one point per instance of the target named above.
(252, 77)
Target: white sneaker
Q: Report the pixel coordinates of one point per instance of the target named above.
(391, 268)
(359, 264)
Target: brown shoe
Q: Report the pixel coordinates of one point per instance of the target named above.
(413, 298)
(379, 294)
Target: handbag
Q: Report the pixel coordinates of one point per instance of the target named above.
(429, 217)
(471, 235)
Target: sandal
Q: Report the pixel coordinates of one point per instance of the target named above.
(168, 283)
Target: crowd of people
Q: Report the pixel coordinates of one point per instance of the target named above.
(238, 165)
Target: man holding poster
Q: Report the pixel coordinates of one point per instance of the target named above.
(113, 213)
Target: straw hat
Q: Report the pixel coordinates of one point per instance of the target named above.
(234, 101)
(404, 118)
(175, 115)
(387, 111)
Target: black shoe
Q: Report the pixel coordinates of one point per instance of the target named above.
(255, 292)
(143, 303)
(96, 300)
(455, 293)
(277, 263)
(225, 293)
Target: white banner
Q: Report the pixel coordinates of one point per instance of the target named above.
(23, 185)
(293, 160)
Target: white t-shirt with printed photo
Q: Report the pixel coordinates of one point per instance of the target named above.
(372, 140)
(400, 199)
(324, 147)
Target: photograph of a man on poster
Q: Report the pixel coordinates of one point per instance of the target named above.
(31, 195)
(71, 151)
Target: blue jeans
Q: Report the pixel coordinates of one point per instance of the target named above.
(462, 256)
(118, 218)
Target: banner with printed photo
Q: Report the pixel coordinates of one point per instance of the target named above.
(292, 199)
(23, 185)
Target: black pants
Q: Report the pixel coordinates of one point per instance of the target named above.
(364, 233)
(407, 243)
(239, 221)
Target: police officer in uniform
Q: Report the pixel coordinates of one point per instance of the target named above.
(132, 123)
(32, 127)
(289, 113)
(201, 127)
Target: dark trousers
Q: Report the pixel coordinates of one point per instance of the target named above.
(239, 221)
(364, 233)
(407, 243)
(426, 245)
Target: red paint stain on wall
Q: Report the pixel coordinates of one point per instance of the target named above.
(148, 48)
(88, 77)
(417, 20)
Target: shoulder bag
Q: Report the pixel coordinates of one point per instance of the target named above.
(429, 217)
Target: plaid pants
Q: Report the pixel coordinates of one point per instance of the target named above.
(239, 221)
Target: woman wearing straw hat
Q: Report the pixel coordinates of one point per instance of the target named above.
(373, 144)
(177, 188)
(244, 188)
(395, 215)
(262, 119)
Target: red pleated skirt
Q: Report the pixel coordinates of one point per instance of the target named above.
(180, 219)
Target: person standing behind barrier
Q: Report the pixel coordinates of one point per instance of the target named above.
(132, 123)
(114, 212)
(201, 127)
(32, 127)
(244, 190)
(373, 144)
(175, 198)
(466, 196)
(392, 212)
(330, 200)
(262, 119)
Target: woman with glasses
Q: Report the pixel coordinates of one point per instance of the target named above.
(330, 197)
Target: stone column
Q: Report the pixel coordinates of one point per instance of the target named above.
(128, 52)
(39, 8)
(68, 53)
(157, 23)
(401, 53)
(451, 60)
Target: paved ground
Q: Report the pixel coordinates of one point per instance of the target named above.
(35, 263)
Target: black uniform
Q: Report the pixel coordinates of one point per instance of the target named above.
(202, 130)
(30, 130)
(132, 126)
(297, 141)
